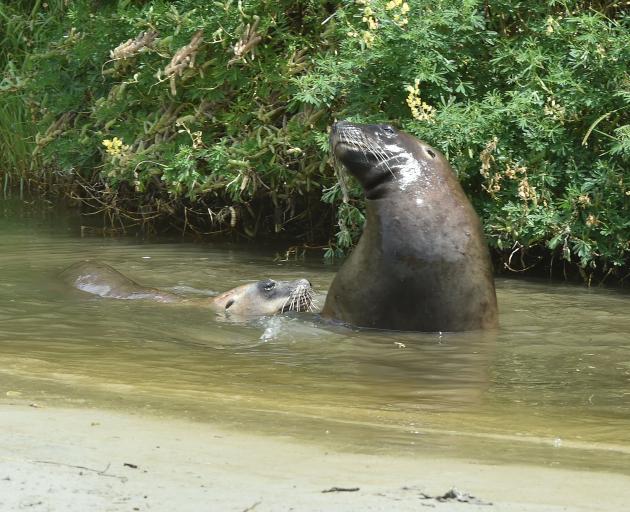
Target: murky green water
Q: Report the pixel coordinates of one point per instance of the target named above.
(553, 387)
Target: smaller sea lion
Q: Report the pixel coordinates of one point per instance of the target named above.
(266, 297)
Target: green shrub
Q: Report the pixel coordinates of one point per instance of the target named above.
(528, 100)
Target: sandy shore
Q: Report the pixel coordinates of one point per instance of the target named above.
(78, 460)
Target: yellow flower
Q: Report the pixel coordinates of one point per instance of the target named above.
(113, 146)
(527, 192)
(584, 200)
(550, 25)
(404, 9)
(420, 110)
(368, 38)
(591, 220)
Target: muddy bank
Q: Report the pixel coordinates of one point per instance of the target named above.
(89, 459)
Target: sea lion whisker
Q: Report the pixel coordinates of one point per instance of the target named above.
(356, 140)
(290, 301)
(362, 145)
(348, 138)
(380, 154)
(295, 298)
(381, 151)
(306, 297)
(284, 304)
(302, 298)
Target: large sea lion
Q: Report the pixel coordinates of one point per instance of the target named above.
(266, 297)
(421, 263)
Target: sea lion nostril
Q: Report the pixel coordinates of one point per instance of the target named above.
(431, 153)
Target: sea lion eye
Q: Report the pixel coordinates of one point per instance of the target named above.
(229, 303)
(270, 285)
(389, 131)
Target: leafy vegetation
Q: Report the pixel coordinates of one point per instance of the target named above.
(214, 115)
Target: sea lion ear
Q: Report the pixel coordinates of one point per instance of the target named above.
(229, 303)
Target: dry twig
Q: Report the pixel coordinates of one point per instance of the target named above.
(132, 47)
(184, 58)
(100, 472)
(247, 43)
(53, 131)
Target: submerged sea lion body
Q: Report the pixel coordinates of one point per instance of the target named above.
(266, 297)
(421, 263)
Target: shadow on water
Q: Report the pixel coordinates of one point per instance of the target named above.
(551, 387)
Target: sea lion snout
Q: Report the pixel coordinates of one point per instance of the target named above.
(268, 297)
(372, 153)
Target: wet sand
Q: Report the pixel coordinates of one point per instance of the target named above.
(54, 459)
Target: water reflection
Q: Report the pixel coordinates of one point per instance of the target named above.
(552, 386)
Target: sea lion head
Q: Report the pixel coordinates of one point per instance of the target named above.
(266, 297)
(381, 157)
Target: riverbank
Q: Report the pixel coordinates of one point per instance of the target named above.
(91, 459)
(207, 150)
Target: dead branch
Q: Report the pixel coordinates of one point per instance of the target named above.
(247, 43)
(132, 47)
(184, 58)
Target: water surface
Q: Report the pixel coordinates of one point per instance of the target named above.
(551, 388)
